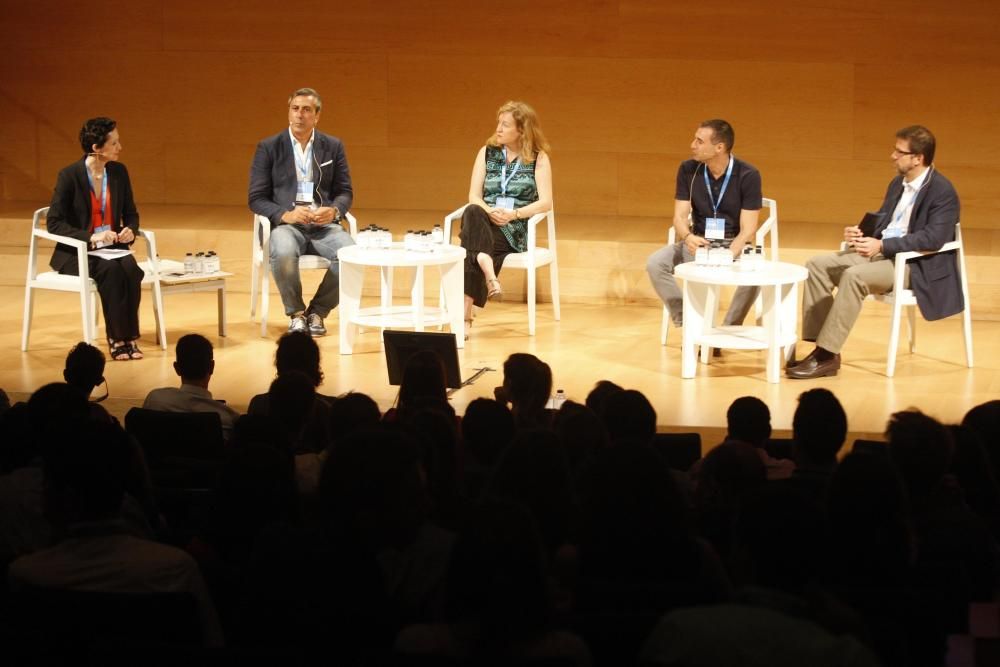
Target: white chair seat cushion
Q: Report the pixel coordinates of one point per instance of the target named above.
(521, 259)
(58, 281)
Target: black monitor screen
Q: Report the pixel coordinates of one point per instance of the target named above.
(401, 345)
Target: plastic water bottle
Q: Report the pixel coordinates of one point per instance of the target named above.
(189, 263)
(437, 234)
(557, 399)
(701, 256)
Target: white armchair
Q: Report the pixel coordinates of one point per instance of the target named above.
(83, 284)
(901, 297)
(531, 260)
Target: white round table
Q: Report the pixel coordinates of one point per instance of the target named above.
(779, 312)
(451, 311)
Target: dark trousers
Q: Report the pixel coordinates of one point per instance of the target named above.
(479, 234)
(119, 284)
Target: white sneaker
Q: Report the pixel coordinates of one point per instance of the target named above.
(315, 324)
(298, 323)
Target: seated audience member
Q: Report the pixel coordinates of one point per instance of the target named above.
(582, 433)
(781, 618)
(84, 369)
(195, 366)
(497, 610)
(322, 588)
(527, 386)
(423, 386)
(948, 533)
(723, 481)
(629, 417)
(86, 471)
(533, 472)
(4, 402)
(970, 465)
(487, 430)
(436, 434)
(601, 390)
(870, 553)
(297, 351)
(749, 420)
(819, 428)
(256, 489)
(351, 412)
(637, 554)
(984, 419)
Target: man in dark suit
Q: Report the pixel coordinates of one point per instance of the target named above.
(919, 212)
(299, 180)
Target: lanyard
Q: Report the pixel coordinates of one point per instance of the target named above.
(304, 166)
(104, 189)
(722, 192)
(504, 180)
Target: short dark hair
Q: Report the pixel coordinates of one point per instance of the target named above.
(310, 92)
(194, 356)
(95, 132)
(84, 367)
(921, 141)
(722, 132)
(819, 425)
(297, 351)
(749, 420)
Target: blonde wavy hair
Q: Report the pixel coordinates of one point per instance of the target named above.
(533, 141)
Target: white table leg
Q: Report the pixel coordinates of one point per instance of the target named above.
(417, 299)
(351, 281)
(710, 314)
(222, 309)
(770, 300)
(453, 283)
(695, 297)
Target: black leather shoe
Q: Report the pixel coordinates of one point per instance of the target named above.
(811, 367)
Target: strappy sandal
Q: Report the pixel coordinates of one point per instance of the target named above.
(496, 290)
(468, 326)
(119, 351)
(134, 352)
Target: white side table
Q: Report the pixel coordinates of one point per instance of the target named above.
(779, 297)
(173, 280)
(353, 260)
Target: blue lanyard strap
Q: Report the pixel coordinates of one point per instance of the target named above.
(104, 189)
(504, 180)
(722, 192)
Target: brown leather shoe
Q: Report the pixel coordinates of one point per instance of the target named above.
(811, 367)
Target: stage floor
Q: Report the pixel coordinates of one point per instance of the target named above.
(590, 343)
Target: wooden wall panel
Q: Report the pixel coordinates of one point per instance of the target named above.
(814, 89)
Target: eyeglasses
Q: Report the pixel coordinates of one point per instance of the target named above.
(896, 151)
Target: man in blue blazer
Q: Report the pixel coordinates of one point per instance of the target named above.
(919, 212)
(300, 181)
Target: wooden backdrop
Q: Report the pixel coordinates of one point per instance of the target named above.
(814, 89)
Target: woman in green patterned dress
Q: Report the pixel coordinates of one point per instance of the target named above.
(511, 181)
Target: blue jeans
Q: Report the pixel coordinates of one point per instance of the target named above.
(288, 242)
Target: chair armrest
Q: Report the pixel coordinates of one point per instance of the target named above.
(533, 230)
(352, 225)
(261, 231)
(149, 236)
(58, 238)
(448, 219)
